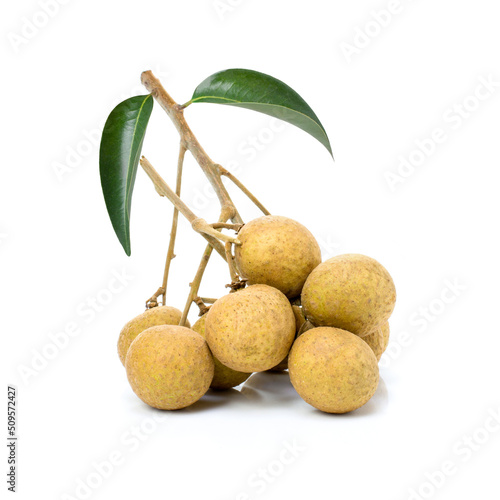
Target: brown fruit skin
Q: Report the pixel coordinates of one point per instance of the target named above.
(352, 292)
(300, 319)
(251, 330)
(156, 316)
(333, 370)
(379, 340)
(224, 377)
(278, 252)
(169, 367)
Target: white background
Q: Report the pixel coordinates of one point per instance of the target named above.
(436, 232)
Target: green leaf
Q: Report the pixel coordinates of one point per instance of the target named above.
(121, 145)
(253, 90)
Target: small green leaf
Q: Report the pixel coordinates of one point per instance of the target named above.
(253, 90)
(121, 145)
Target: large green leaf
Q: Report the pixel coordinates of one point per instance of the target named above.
(121, 145)
(253, 90)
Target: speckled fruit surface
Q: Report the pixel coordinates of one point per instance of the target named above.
(169, 367)
(161, 315)
(379, 340)
(251, 330)
(224, 377)
(350, 291)
(277, 251)
(333, 370)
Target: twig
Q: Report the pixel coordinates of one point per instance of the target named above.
(208, 300)
(243, 188)
(201, 306)
(222, 225)
(237, 283)
(153, 300)
(214, 174)
(230, 262)
(195, 285)
(198, 224)
(176, 114)
(175, 219)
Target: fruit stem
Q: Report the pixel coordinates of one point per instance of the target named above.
(214, 173)
(230, 262)
(153, 300)
(243, 188)
(201, 306)
(208, 300)
(198, 224)
(224, 225)
(175, 219)
(195, 285)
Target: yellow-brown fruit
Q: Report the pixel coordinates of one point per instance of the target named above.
(333, 370)
(169, 367)
(278, 252)
(156, 316)
(352, 292)
(251, 330)
(300, 319)
(379, 340)
(224, 377)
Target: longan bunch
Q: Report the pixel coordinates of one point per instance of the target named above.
(327, 322)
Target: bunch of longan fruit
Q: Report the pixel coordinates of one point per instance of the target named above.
(326, 322)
